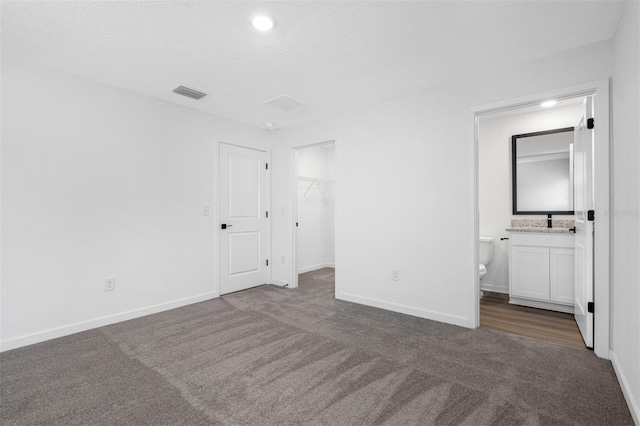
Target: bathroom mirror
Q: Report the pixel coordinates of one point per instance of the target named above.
(542, 170)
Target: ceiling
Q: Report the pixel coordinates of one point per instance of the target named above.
(331, 55)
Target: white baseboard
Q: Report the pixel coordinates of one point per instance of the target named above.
(494, 288)
(316, 267)
(632, 402)
(404, 309)
(66, 330)
(280, 283)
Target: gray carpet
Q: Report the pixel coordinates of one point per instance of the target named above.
(271, 356)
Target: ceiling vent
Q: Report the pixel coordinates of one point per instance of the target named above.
(189, 93)
(284, 102)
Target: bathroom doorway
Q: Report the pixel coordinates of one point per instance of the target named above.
(545, 315)
(314, 212)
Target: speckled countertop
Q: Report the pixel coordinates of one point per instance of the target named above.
(560, 226)
(539, 229)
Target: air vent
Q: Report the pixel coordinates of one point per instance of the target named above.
(189, 93)
(284, 102)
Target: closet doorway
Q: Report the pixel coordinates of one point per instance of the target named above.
(314, 208)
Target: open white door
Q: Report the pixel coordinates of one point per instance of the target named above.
(583, 206)
(243, 218)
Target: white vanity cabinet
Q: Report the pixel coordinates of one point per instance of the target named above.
(541, 270)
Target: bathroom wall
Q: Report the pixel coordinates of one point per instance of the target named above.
(494, 193)
(316, 242)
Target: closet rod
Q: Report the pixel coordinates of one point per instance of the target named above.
(314, 181)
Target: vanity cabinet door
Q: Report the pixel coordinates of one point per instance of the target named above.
(530, 272)
(562, 272)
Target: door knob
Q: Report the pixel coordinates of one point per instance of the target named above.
(225, 226)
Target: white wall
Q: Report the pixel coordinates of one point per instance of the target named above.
(494, 179)
(98, 182)
(315, 208)
(401, 186)
(625, 217)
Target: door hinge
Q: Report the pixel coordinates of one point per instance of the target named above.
(591, 215)
(267, 262)
(266, 166)
(590, 307)
(590, 123)
(267, 214)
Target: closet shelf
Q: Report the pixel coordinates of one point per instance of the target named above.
(314, 181)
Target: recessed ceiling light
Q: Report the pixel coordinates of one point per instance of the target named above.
(262, 22)
(548, 104)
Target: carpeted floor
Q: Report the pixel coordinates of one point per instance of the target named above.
(273, 356)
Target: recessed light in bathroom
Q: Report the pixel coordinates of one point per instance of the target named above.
(262, 22)
(547, 104)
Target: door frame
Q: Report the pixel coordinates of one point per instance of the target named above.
(216, 210)
(293, 205)
(600, 90)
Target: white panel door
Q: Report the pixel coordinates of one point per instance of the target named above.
(583, 202)
(530, 272)
(243, 218)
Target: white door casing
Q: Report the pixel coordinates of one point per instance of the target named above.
(599, 90)
(584, 202)
(243, 213)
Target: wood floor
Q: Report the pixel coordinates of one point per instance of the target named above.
(497, 314)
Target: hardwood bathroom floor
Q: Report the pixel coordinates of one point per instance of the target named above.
(497, 314)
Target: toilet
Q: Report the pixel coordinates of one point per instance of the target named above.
(485, 255)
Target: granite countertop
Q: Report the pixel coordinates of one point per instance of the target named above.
(540, 229)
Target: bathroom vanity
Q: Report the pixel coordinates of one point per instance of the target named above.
(541, 252)
(541, 268)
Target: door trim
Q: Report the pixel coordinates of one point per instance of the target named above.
(600, 90)
(293, 206)
(216, 210)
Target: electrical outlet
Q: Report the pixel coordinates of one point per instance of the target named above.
(283, 260)
(110, 284)
(205, 210)
(395, 274)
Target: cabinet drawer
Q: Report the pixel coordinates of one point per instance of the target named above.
(542, 240)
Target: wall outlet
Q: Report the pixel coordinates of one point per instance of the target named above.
(395, 274)
(205, 210)
(283, 259)
(110, 284)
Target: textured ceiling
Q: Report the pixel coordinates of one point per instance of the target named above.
(330, 55)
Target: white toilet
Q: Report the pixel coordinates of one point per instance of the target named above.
(485, 255)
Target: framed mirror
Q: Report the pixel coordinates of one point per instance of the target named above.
(542, 172)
